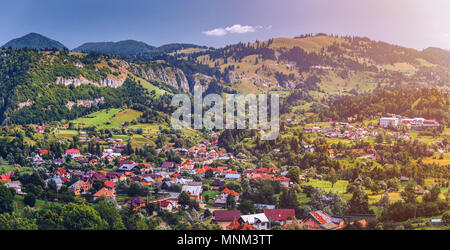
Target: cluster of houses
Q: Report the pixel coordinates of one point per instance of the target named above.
(206, 151)
(343, 130)
(171, 178)
(116, 146)
(316, 220)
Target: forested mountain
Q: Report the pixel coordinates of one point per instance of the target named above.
(34, 41)
(315, 70)
(340, 64)
(125, 48)
(38, 86)
(134, 49)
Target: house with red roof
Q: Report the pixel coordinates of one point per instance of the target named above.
(45, 151)
(110, 185)
(319, 220)
(61, 172)
(41, 129)
(93, 161)
(285, 181)
(5, 178)
(73, 152)
(165, 205)
(262, 170)
(280, 215)
(227, 192)
(104, 192)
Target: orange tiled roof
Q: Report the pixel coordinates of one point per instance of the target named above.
(247, 226)
(282, 178)
(105, 192)
(229, 191)
(200, 170)
(110, 184)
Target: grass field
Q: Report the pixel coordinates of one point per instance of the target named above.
(151, 87)
(19, 204)
(339, 187)
(140, 140)
(66, 134)
(148, 128)
(211, 194)
(5, 167)
(108, 118)
(98, 118)
(126, 115)
(309, 44)
(435, 159)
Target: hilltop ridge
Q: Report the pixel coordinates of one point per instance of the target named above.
(34, 41)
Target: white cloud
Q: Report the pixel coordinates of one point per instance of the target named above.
(237, 28)
(215, 32)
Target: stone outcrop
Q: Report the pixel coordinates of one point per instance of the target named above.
(168, 75)
(107, 82)
(86, 103)
(25, 104)
(202, 80)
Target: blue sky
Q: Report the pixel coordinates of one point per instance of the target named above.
(411, 23)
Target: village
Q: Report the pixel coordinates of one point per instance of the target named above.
(205, 173)
(170, 179)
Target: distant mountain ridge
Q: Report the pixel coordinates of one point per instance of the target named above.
(313, 69)
(122, 48)
(34, 41)
(127, 47)
(132, 48)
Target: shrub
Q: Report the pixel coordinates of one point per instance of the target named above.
(30, 199)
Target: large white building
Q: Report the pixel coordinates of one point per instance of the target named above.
(389, 121)
(416, 122)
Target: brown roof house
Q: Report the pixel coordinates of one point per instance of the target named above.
(105, 192)
(225, 217)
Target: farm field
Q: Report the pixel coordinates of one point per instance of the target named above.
(98, 118)
(108, 118)
(435, 159)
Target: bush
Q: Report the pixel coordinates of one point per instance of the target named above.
(30, 199)
(446, 218)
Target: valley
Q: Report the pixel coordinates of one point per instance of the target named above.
(89, 130)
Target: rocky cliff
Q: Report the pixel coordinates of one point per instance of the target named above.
(168, 75)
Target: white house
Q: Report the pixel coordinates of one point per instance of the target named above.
(72, 152)
(233, 177)
(195, 192)
(165, 205)
(259, 221)
(16, 185)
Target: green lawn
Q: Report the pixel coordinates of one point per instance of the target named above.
(339, 187)
(5, 167)
(19, 204)
(127, 115)
(108, 118)
(211, 194)
(97, 118)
